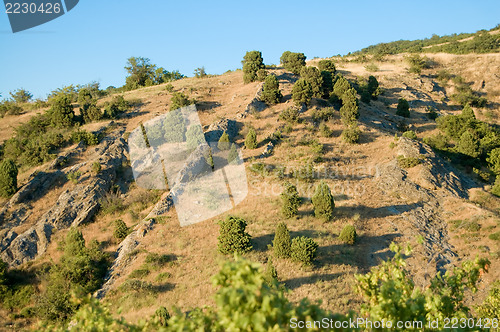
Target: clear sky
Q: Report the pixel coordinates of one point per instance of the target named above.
(93, 41)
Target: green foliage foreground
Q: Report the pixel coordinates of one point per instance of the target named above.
(247, 301)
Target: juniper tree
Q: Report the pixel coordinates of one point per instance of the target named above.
(301, 92)
(251, 139)
(293, 61)
(348, 234)
(327, 86)
(349, 111)
(270, 274)
(252, 62)
(313, 76)
(8, 178)
(468, 113)
(341, 86)
(290, 201)
(282, 241)
(233, 237)
(223, 143)
(271, 93)
(469, 144)
(323, 202)
(327, 65)
(233, 154)
(61, 113)
(403, 108)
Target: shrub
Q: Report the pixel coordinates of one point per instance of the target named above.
(139, 273)
(194, 137)
(74, 176)
(199, 73)
(351, 134)
(410, 134)
(116, 106)
(303, 250)
(323, 202)
(233, 154)
(468, 113)
(313, 76)
(403, 108)
(82, 135)
(271, 93)
(495, 190)
(252, 62)
(327, 86)
(88, 106)
(490, 308)
(282, 241)
(233, 237)
(366, 97)
(348, 234)
(121, 230)
(159, 260)
(469, 144)
(8, 178)
(270, 274)
(324, 130)
(327, 65)
(290, 115)
(261, 75)
(223, 143)
(21, 96)
(251, 139)
(179, 100)
(111, 203)
(408, 162)
(431, 113)
(162, 315)
(494, 160)
(417, 63)
(61, 112)
(169, 87)
(323, 114)
(301, 92)
(371, 67)
(8, 107)
(349, 112)
(495, 236)
(341, 86)
(290, 201)
(293, 61)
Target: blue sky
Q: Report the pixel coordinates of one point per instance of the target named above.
(93, 41)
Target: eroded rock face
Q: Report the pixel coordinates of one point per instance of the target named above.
(216, 129)
(71, 209)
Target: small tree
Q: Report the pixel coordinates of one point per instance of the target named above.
(495, 190)
(303, 250)
(200, 72)
(282, 242)
(468, 113)
(351, 134)
(61, 112)
(223, 143)
(290, 201)
(323, 202)
(233, 154)
(293, 61)
(8, 178)
(494, 160)
(162, 315)
(341, 86)
(233, 237)
(180, 100)
(348, 234)
(252, 62)
(251, 139)
(121, 230)
(270, 274)
(349, 112)
(271, 93)
(403, 108)
(327, 86)
(261, 75)
(21, 96)
(469, 144)
(313, 76)
(301, 92)
(327, 65)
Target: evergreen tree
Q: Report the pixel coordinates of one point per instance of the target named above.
(223, 143)
(341, 86)
(251, 139)
(293, 61)
(349, 112)
(351, 134)
(301, 92)
(282, 241)
(327, 86)
(61, 113)
(270, 274)
(372, 86)
(469, 144)
(403, 108)
(271, 93)
(252, 62)
(323, 202)
(303, 250)
(494, 160)
(468, 113)
(233, 237)
(162, 315)
(194, 137)
(8, 178)
(327, 65)
(121, 230)
(348, 234)
(233, 154)
(313, 76)
(290, 201)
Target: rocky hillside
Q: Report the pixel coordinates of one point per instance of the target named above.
(442, 209)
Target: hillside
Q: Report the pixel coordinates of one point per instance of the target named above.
(441, 208)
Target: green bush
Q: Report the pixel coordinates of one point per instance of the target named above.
(341, 86)
(139, 273)
(251, 139)
(233, 155)
(293, 61)
(302, 92)
(469, 144)
(313, 76)
(410, 134)
(303, 250)
(121, 230)
(271, 93)
(323, 202)
(194, 137)
(270, 274)
(82, 135)
(179, 100)
(494, 236)
(8, 178)
(348, 234)
(96, 167)
(61, 112)
(252, 62)
(223, 143)
(282, 242)
(233, 237)
(290, 201)
(88, 106)
(290, 115)
(349, 112)
(261, 75)
(74, 176)
(417, 63)
(408, 162)
(324, 130)
(431, 113)
(490, 308)
(159, 260)
(162, 315)
(495, 190)
(116, 106)
(403, 108)
(327, 65)
(21, 96)
(351, 134)
(327, 86)
(8, 107)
